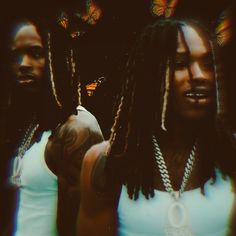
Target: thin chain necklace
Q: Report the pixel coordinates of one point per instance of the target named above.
(177, 220)
(18, 162)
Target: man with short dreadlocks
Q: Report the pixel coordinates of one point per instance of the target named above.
(165, 169)
(53, 130)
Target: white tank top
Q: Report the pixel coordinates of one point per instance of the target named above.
(37, 203)
(208, 215)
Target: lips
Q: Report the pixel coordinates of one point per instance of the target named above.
(201, 95)
(26, 79)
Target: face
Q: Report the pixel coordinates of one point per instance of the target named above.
(194, 81)
(27, 57)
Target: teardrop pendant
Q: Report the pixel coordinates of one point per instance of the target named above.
(177, 220)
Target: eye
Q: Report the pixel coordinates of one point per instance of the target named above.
(181, 64)
(208, 63)
(36, 52)
(14, 56)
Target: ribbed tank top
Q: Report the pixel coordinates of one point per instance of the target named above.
(37, 203)
(208, 215)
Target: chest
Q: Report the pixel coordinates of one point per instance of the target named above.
(208, 214)
(176, 164)
(35, 172)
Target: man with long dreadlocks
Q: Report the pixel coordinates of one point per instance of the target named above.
(55, 131)
(165, 169)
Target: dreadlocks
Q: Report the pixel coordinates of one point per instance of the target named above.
(62, 71)
(61, 87)
(146, 90)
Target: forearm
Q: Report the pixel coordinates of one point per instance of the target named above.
(101, 225)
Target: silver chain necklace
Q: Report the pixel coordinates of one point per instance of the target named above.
(177, 213)
(18, 162)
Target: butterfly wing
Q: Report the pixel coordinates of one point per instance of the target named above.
(224, 28)
(223, 33)
(170, 8)
(91, 87)
(159, 7)
(94, 13)
(63, 20)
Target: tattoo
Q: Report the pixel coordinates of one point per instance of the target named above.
(74, 141)
(99, 178)
(71, 141)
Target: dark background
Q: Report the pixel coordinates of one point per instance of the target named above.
(102, 51)
(104, 48)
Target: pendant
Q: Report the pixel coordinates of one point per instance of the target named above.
(15, 180)
(177, 220)
(16, 175)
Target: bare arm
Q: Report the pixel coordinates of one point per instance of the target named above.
(65, 153)
(97, 215)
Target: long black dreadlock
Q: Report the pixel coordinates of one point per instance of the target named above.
(143, 106)
(61, 91)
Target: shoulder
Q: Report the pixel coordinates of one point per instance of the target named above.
(92, 157)
(97, 210)
(94, 182)
(78, 134)
(94, 154)
(86, 118)
(84, 124)
(83, 119)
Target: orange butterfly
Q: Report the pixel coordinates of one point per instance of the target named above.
(91, 87)
(63, 20)
(164, 8)
(224, 28)
(94, 13)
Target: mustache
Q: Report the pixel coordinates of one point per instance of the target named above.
(26, 80)
(26, 76)
(202, 83)
(200, 89)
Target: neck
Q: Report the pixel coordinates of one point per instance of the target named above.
(25, 99)
(177, 136)
(22, 117)
(182, 134)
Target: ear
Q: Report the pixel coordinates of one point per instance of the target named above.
(224, 27)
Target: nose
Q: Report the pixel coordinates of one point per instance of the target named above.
(24, 60)
(24, 63)
(196, 71)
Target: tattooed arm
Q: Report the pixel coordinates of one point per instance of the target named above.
(98, 207)
(64, 155)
